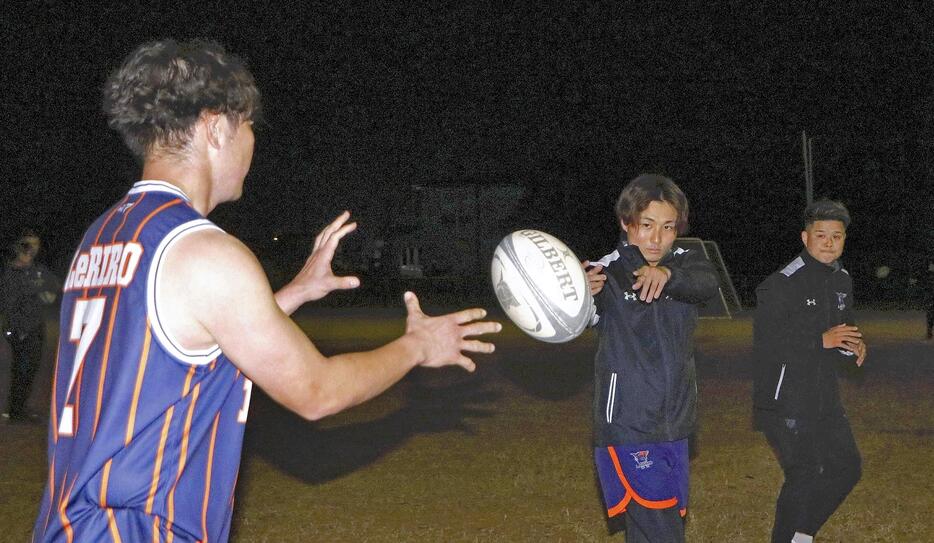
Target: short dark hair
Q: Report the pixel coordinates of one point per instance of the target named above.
(826, 210)
(648, 188)
(159, 92)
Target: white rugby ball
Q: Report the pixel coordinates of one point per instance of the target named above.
(541, 286)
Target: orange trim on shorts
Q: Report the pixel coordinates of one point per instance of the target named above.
(631, 494)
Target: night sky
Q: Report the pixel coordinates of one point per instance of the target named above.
(361, 102)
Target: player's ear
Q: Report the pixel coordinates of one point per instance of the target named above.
(622, 224)
(804, 237)
(214, 128)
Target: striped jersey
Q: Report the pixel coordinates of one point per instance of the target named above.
(144, 435)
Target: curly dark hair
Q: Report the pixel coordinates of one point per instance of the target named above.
(154, 99)
(648, 188)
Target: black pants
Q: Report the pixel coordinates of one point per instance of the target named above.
(27, 355)
(644, 525)
(821, 465)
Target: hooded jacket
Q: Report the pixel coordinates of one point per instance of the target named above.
(645, 382)
(794, 376)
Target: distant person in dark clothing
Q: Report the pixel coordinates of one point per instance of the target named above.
(803, 328)
(25, 287)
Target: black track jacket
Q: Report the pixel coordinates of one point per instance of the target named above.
(645, 385)
(794, 376)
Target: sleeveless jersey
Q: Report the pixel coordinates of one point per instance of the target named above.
(144, 436)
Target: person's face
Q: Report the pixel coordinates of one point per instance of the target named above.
(654, 231)
(824, 240)
(27, 247)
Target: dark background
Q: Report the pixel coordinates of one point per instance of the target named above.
(363, 101)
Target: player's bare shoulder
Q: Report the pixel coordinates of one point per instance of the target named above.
(204, 276)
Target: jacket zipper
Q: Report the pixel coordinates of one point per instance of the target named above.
(781, 377)
(611, 398)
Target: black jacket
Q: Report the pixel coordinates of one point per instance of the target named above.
(645, 385)
(794, 376)
(20, 289)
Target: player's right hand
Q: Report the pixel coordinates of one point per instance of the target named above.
(595, 277)
(316, 277)
(442, 339)
(843, 336)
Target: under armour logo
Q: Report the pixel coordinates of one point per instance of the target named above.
(630, 295)
(812, 301)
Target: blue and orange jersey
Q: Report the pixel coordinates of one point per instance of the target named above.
(144, 435)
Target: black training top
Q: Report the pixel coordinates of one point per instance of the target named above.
(794, 376)
(645, 385)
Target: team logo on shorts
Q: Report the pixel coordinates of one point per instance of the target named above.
(642, 459)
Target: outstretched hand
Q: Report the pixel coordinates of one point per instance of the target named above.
(442, 339)
(316, 276)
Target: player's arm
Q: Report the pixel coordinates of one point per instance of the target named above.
(692, 278)
(218, 293)
(770, 325)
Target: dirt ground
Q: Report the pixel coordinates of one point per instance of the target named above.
(504, 454)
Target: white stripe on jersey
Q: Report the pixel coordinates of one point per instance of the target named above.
(151, 185)
(198, 357)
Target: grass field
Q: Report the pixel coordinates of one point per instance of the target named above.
(504, 454)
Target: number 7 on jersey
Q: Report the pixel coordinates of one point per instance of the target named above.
(85, 323)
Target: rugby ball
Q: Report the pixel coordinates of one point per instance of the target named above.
(541, 286)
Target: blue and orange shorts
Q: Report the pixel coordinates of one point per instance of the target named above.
(654, 475)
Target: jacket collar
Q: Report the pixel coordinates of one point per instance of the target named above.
(817, 265)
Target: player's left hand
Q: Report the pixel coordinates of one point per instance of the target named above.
(316, 276)
(650, 280)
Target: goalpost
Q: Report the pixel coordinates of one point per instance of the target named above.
(726, 302)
